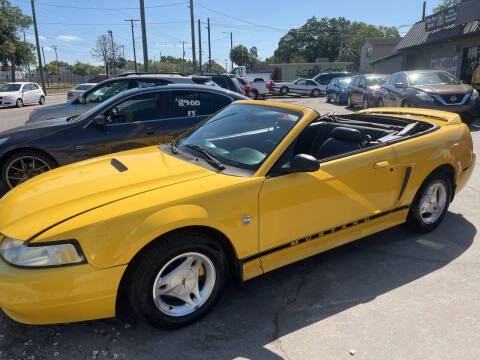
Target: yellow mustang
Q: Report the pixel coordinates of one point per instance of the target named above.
(254, 187)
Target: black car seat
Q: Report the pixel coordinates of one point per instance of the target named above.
(340, 140)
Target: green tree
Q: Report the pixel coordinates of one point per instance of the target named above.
(80, 68)
(14, 52)
(445, 4)
(240, 56)
(333, 38)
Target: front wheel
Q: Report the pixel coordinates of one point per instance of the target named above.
(23, 165)
(349, 101)
(284, 90)
(430, 203)
(19, 103)
(337, 99)
(177, 280)
(316, 93)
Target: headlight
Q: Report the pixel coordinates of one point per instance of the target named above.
(2, 140)
(424, 97)
(474, 97)
(59, 253)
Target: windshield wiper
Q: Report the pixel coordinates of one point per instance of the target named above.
(211, 159)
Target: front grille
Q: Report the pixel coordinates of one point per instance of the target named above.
(452, 98)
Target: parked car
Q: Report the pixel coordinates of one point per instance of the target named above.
(323, 79)
(365, 90)
(21, 93)
(111, 87)
(299, 87)
(259, 185)
(223, 80)
(431, 89)
(242, 72)
(337, 90)
(131, 119)
(79, 89)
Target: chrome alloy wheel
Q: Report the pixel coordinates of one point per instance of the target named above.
(433, 202)
(24, 168)
(184, 284)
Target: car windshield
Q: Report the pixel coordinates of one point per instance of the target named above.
(10, 87)
(377, 81)
(83, 87)
(241, 135)
(344, 82)
(431, 78)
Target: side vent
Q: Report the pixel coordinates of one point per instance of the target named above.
(118, 165)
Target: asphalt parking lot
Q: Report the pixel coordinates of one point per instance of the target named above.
(393, 295)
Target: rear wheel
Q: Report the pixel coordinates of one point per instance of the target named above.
(42, 100)
(380, 103)
(19, 103)
(255, 94)
(284, 90)
(406, 104)
(177, 280)
(23, 165)
(316, 93)
(430, 203)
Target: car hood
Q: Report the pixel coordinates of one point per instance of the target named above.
(37, 125)
(445, 89)
(55, 111)
(65, 192)
(9, 93)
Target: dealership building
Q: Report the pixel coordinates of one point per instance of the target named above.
(448, 40)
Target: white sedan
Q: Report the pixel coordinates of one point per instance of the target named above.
(20, 93)
(299, 87)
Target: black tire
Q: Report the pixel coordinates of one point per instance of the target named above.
(315, 93)
(255, 94)
(284, 90)
(467, 118)
(380, 103)
(337, 99)
(19, 103)
(41, 101)
(365, 103)
(414, 218)
(141, 279)
(16, 156)
(406, 104)
(349, 101)
(327, 98)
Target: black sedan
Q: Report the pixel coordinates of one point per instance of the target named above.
(131, 119)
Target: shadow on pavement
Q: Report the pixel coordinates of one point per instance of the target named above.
(267, 308)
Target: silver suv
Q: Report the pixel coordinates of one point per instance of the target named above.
(111, 87)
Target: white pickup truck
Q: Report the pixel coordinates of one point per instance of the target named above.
(241, 71)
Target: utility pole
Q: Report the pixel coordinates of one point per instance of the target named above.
(45, 63)
(144, 36)
(28, 65)
(54, 47)
(192, 22)
(209, 48)
(37, 43)
(183, 56)
(199, 45)
(231, 47)
(226, 65)
(133, 43)
(113, 51)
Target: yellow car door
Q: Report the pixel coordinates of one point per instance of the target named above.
(305, 213)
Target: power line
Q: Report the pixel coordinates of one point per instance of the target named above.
(112, 9)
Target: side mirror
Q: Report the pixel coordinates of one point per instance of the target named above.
(100, 121)
(399, 85)
(82, 99)
(301, 163)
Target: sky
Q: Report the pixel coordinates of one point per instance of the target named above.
(75, 25)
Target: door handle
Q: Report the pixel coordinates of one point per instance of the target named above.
(381, 164)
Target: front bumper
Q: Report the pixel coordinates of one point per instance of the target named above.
(343, 97)
(58, 295)
(471, 108)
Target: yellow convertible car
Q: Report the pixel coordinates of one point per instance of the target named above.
(258, 185)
